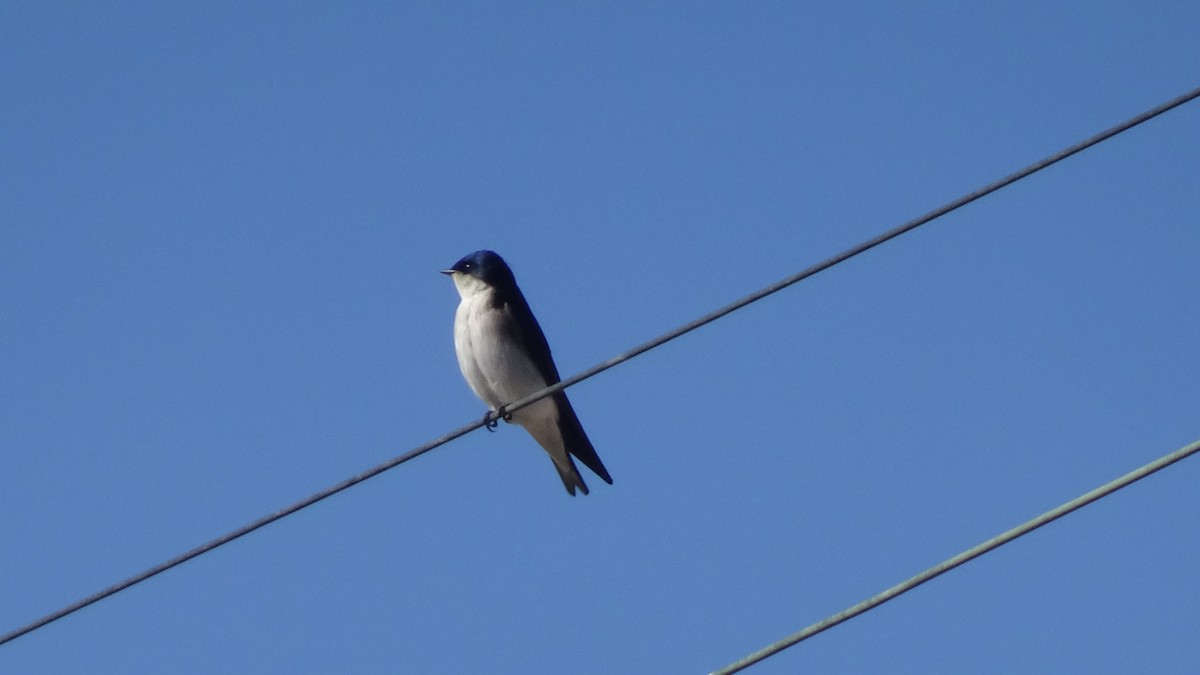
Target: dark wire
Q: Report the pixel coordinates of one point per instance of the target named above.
(594, 370)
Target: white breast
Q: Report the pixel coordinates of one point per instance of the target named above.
(497, 370)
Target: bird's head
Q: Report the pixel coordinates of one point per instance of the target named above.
(481, 268)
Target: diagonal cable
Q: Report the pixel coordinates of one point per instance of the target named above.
(863, 247)
(601, 367)
(964, 557)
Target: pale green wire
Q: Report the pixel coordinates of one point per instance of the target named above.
(965, 556)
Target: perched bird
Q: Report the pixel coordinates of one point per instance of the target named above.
(504, 357)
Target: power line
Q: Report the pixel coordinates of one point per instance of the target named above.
(241, 531)
(599, 368)
(863, 247)
(966, 556)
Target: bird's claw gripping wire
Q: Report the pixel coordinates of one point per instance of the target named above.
(491, 419)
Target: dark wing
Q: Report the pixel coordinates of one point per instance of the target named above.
(576, 440)
(526, 331)
(533, 340)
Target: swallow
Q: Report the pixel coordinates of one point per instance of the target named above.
(504, 357)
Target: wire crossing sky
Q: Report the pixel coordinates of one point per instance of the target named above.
(834, 260)
(962, 558)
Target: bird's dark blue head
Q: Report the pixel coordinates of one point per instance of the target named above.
(487, 266)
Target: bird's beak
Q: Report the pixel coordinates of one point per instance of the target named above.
(446, 271)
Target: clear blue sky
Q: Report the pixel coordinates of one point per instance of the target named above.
(220, 230)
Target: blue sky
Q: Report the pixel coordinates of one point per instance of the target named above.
(220, 230)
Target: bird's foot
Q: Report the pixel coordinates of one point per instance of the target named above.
(491, 419)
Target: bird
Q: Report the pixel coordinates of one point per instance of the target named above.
(504, 357)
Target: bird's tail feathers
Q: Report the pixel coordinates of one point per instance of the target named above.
(570, 477)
